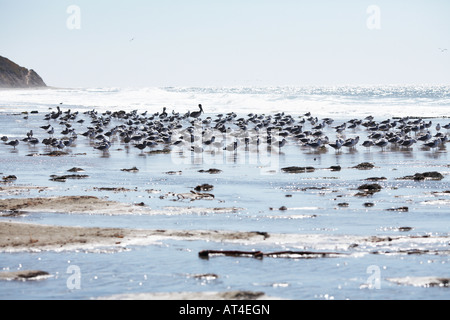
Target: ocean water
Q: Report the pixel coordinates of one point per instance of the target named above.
(357, 101)
(323, 212)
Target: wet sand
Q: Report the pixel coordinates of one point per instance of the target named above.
(16, 236)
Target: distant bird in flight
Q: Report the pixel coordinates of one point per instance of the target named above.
(442, 49)
(132, 39)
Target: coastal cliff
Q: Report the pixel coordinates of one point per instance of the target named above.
(15, 76)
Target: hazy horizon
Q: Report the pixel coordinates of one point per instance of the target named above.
(80, 44)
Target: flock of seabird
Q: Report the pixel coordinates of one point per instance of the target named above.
(144, 130)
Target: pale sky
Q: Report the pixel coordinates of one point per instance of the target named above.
(228, 43)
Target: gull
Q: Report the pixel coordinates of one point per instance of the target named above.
(315, 145)
(33, 141)
(408, 143)
(382, 144)
(351, 143)
(425, 137)
(13, 143)
(434, 144)
(368, 144)
(104, 146)
(336, 146)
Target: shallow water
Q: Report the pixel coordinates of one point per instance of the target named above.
(259, 190)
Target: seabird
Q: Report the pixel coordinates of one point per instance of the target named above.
(434, 144)
(315, 145)
(382, 144)
(197, 114)
(13, 143)
(368, 144)
(336, 146)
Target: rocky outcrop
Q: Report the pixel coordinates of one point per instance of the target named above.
(15, 76)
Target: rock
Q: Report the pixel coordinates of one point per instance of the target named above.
(56, 154)
(369, 204)
(24, 275)
(374, 179)
(405, 229)
(402, 209)
(298, 169)
(371, 187)
(204, 187)
(172, 173)
(283, 208)
(364, 166)
(75, 169)
(368, 189)
(70, 176)
(134, 169)
(335, 168)
(206, 254)
(194, 196)
(425, 282)
(211, 171)
(9, 178)
(343, 205)
(424, 176)
(206, 276)
(15, 76)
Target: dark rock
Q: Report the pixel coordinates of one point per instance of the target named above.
(374, 179)
(343, 205)
(211, 171)
(371, 187)
(335, 168)
(364, 166)
(424, 176)
(174, 173)
(401, 209)
(9, 178)
(298, 169)
(368, 189)
(74, 169)
(24, 275)
(56, 154)
(204, 187)
(369, 204)
(15, 76)
(206, 276)
(134, 169)
(65, 177)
